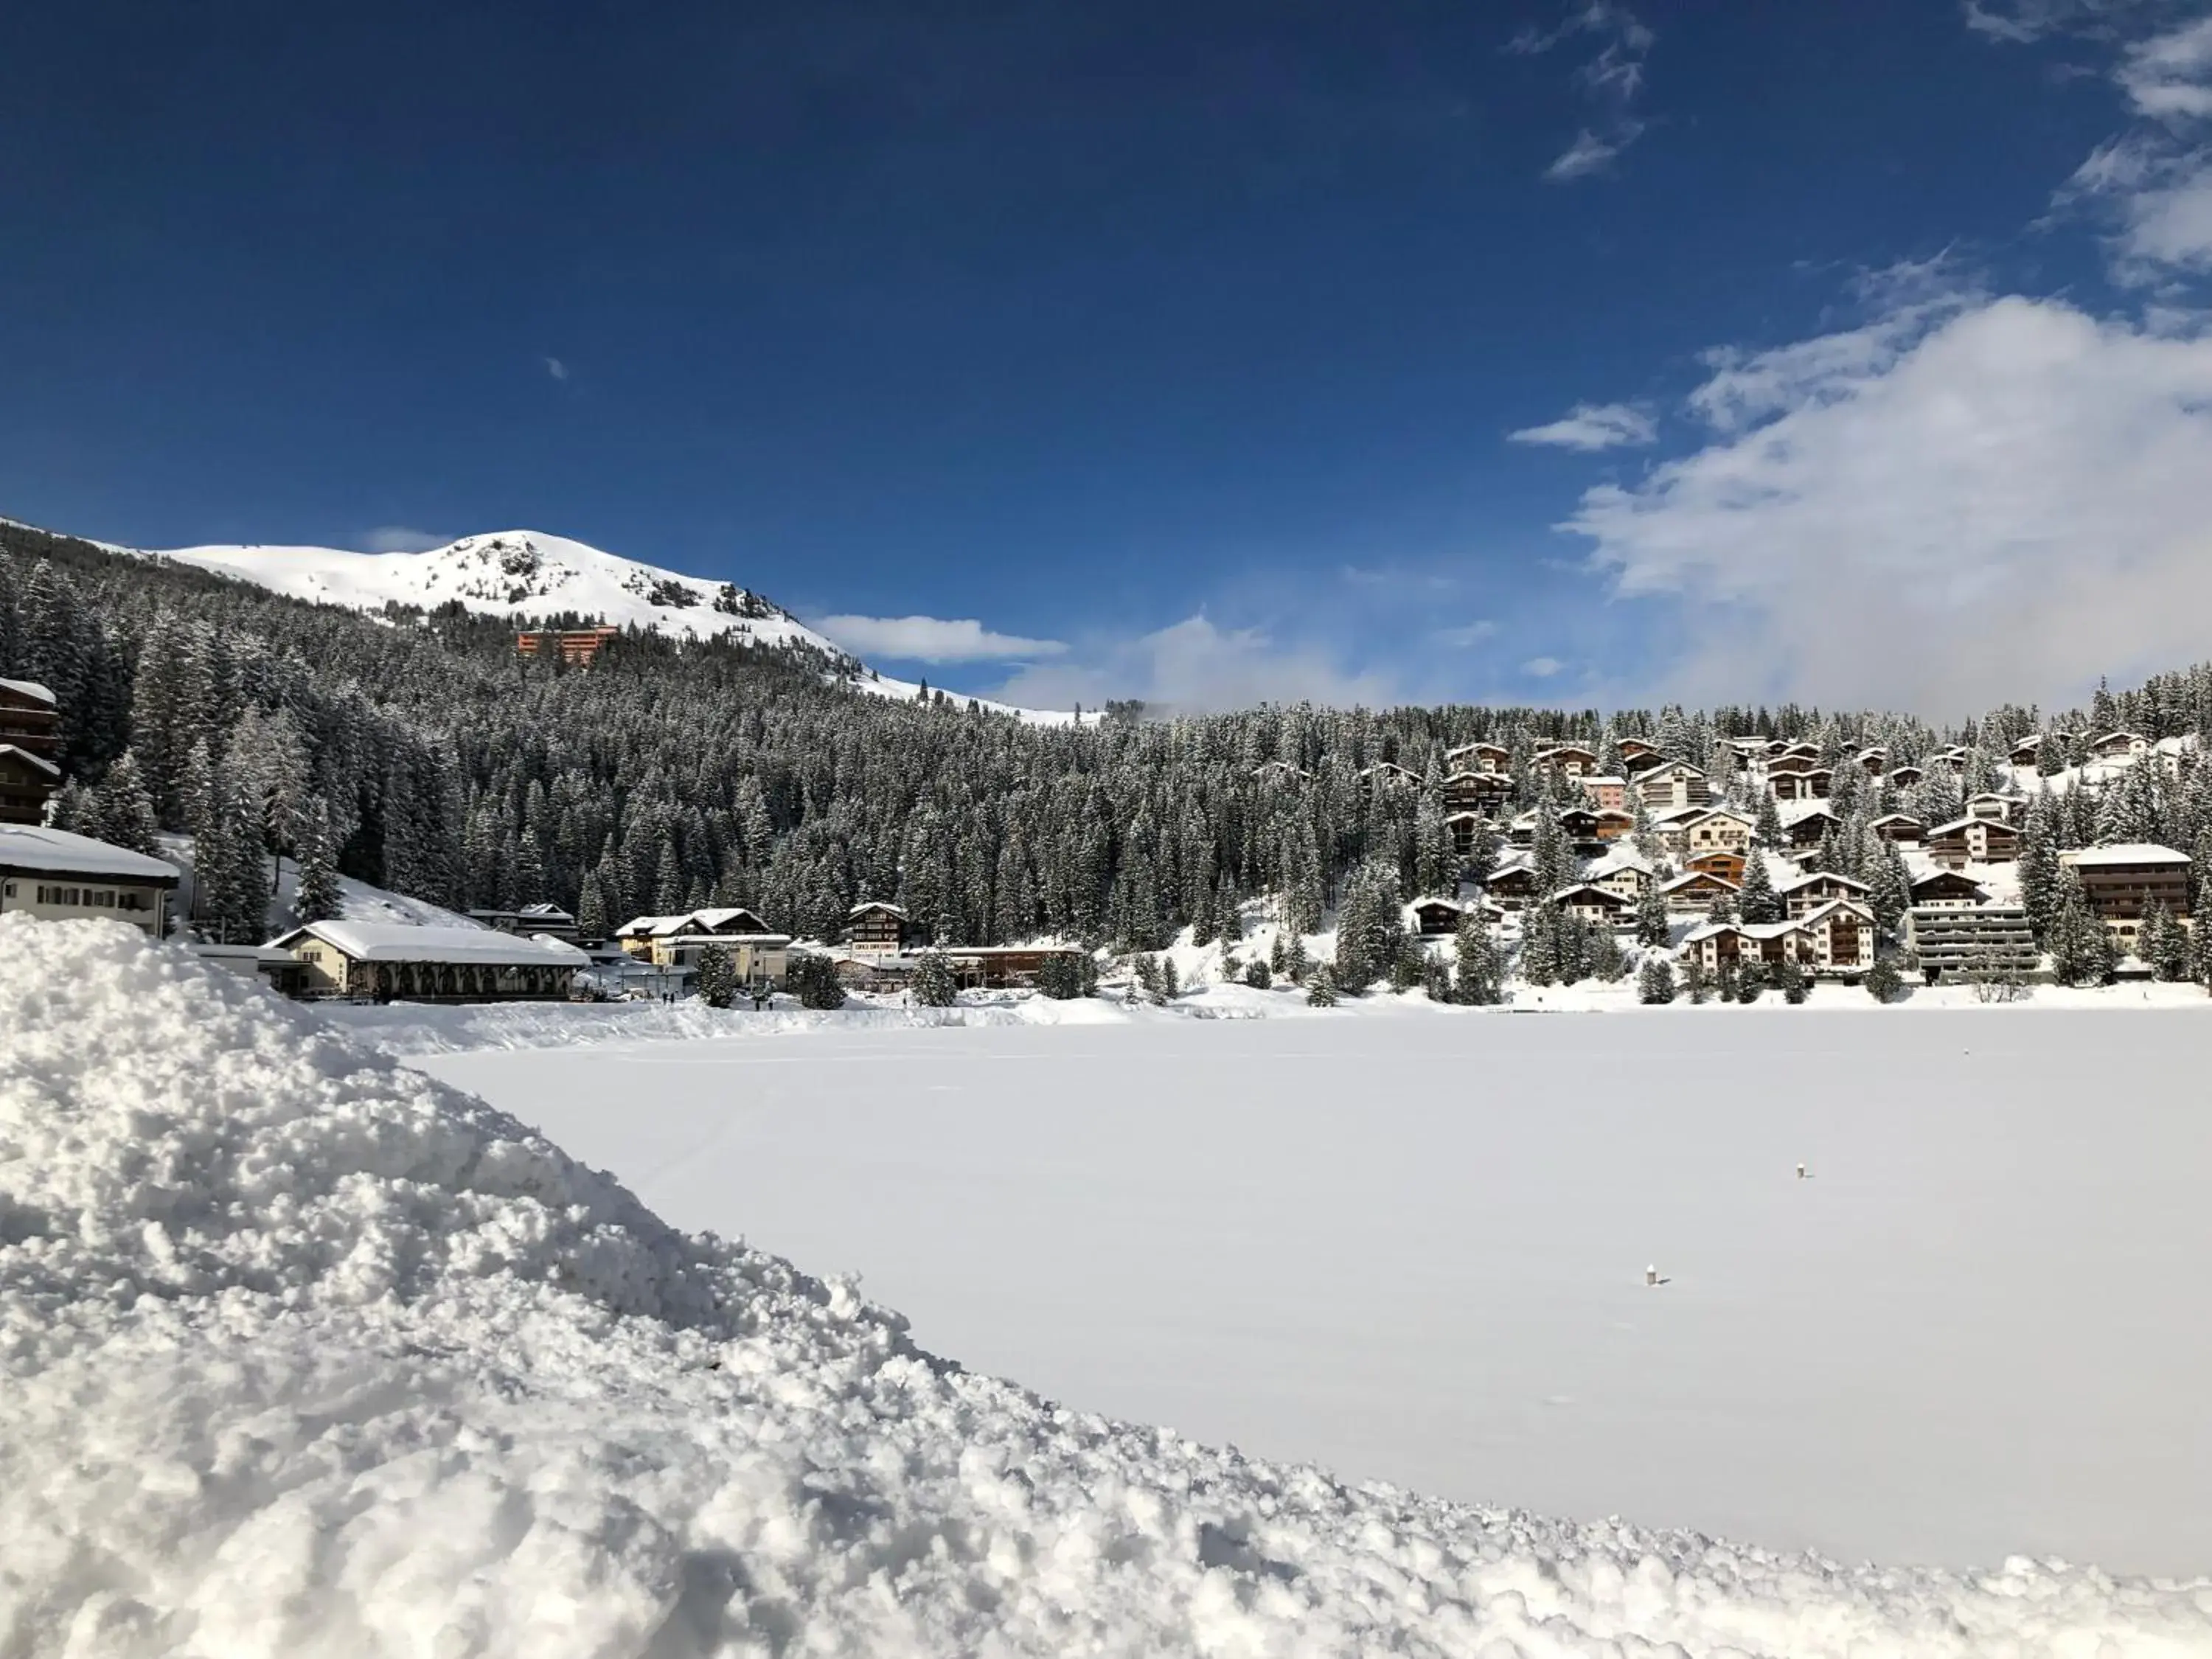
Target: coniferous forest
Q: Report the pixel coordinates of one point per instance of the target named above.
(421, 753)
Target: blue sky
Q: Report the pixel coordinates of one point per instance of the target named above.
(1179, 346)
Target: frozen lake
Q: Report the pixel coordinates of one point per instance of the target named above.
(1412, 1247)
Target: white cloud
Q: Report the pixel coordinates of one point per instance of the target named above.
(2022, 21)
(556, 368)
(1474, 633)
(2169, 76)
(2155, 184)
(2001, 499)
(1542, 667)
(399, 538)
(932, 638)
(1592, 427)
(1612, 80)
(1195, 667)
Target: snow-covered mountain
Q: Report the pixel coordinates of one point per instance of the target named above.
(520, 573)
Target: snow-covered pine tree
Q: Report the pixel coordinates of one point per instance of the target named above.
(1655, 981)
(1758, 901)
(1652, 921)
(1478, 979)
(316, 897)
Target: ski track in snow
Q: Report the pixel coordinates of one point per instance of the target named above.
(306, 1353)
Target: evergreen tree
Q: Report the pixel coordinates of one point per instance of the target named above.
(1479, 978)
(126, 807)
(1769, 826)
(1655, 981)
(2163, 945)
(935, 986)
(812, 978)
(1653, 925)
(1883, 982)
(2080, 951)
(1790, 980)
(1758, 901)
(1697, 982)
(1889, 889)
(316, 898)
(1321, 988)
(718, 977)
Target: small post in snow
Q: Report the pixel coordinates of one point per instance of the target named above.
(1651, 1275)
(1801, 1172)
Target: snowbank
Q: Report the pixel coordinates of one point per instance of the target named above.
(304, 1352)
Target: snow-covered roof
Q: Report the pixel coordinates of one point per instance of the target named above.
(551, 912)
(392, 941)
(34, 849)
(1894, 817)
(1821, 875)
(28, 689)
(1973, 818)
(1797, 811)
(1695, 876)
(1582, 892)
(1940, 877)
(1621, 855)
(1834, 905)
(883, 905)
(38, 761)
(1699, 815)
(1607, 777)
(2126, 852)
(721, 916)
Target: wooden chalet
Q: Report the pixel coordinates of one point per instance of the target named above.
(1475, 792)
(1512, 887)
(28, 781)
(1905, 777)
(1947, 889)
(1587, 902)
(1973, 841)
(1281, 771)
(1694, 891)
(2120, 745)
(1718, 944)
(1726, 862)
(1807, 894)
(1632, 749)
(1630, 876)
(2027, 750)
(1722, 829)
(1571, 758)
(1874, 762)
(877, 926)
(1580, 827)
(2123, 883)
(1675, 784)
(1901, 827)
(1438, 918)
(1478, 756)
(1991, 805)
(29, 718)
(1635, 765)
(1614, 823)
(1805, 832)
(1795, 778)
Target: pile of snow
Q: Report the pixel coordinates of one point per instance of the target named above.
(527, 573)
(304, 1352)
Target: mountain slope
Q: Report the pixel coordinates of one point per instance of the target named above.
(527, 573)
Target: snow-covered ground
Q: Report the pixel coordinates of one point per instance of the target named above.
(302, 1352)
(1413, 1246)
(527, 573)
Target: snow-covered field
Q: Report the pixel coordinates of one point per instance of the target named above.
(1413, 1247)
(302, 1354)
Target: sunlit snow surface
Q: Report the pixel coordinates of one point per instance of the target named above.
(307, 1354)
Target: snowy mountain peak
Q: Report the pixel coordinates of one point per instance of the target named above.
(513, 573)
(527, 573)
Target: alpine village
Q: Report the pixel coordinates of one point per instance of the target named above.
(436, 807)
